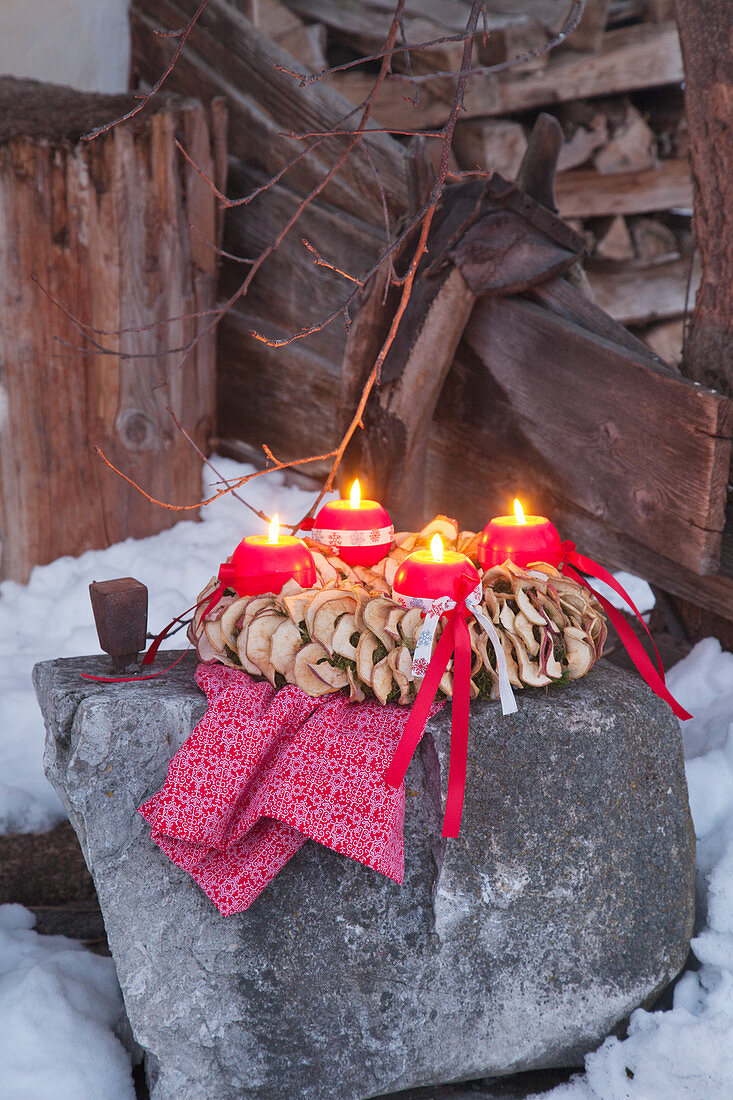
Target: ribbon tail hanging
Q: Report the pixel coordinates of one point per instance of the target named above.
(506, 695)
(459, 725)
(641, 658)
(595, 569)
(653, 676)
(415, 725)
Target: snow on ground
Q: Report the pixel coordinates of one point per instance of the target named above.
(58, 1003)
(687, 1052)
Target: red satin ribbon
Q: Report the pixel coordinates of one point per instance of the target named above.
(455, 640)
(155, 645)
(654, 677)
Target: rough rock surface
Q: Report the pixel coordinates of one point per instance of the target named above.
(566, 902)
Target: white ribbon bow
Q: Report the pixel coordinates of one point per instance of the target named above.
(424, 647)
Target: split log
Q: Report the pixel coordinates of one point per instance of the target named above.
(589, 32)
(640, 295)
(666, 340)
(615, 242)
(117, 232)
(584, 193)
(579, 146)
(629, 58)
(631, 149)
(654, 241)
(490, 144)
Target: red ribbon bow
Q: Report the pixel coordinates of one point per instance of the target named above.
(454, 641)
(573, 561)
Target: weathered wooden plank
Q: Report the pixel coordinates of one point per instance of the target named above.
(632, 57)
(629, 58)
(626, 439)
(495, 454)
(563, 298)
(290, 291)
(585, 193)
(286, 397)
(637, 296)
(226, 55)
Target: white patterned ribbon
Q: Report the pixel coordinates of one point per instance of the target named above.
(424, 647)
(329, 536)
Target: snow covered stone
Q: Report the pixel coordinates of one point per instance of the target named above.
(566, 902)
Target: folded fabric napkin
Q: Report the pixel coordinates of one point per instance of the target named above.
(264, 770)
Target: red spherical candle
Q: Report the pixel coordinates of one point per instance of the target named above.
(358, 531)
(433, 574)
(522, 539)
(263, 563)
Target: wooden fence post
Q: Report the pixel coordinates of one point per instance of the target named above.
(119, 231)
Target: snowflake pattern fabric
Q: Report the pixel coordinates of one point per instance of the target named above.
(263, 771)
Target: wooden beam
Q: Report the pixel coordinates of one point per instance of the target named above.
(630, 58)
(640, 295)
(625, 439)
(585, 193)
(563, 298)
(290, 291)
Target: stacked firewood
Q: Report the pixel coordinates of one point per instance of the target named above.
(348, 633)
(615, 87)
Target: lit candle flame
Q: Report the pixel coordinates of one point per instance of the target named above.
(274, 533)
(436, 547)
(519, 512)
(355, 496)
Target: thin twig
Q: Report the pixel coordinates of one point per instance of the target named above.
(204, 458)
(422, 219)
(319, 261)
(572, 18)
(231, 486)
(145, 97)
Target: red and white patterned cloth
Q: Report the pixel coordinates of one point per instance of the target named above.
(262, 771)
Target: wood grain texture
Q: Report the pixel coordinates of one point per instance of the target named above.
(290, 291)
(106, 229)
(642, 294)
(629, 58)
(563, 298)
(585, 193)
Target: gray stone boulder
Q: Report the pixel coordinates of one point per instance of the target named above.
(566, 902)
